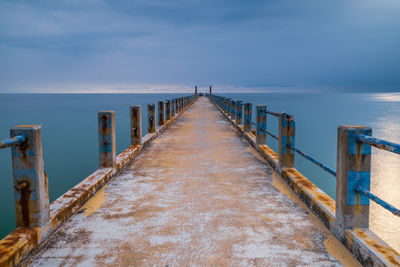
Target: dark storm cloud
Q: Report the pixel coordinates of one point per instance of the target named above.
(340, 45)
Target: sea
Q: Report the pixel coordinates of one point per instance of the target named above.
(70, 140)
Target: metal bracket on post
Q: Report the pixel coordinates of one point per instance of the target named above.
(287, 131)
(107, 147)
(353, 169)
(30, 180)
(261, 123)
(136, 125)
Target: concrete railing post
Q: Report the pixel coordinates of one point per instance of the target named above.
(175, 106)
(261, 123)
(233, 110)
(228, 106)
(233, 113)
(353, 169)
(30, 181)
(160, 113)
(151, 118)
(136, 125)
(172, 104)
(107, 142)
(239, 112)
(247, 117)
(224, 105)
(287, 127)
(167, 110)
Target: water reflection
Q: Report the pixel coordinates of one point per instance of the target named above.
(385, 179)
(387, 97)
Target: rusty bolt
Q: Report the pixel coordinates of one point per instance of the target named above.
(21, 186)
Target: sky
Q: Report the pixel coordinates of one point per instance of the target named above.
(171, 45)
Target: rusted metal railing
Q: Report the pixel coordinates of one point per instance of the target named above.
(353, 166)
(384, 145)
(313, 160)
(276, 114)
(7, 142)
(378, 200)
(378, 143)
(270, 134)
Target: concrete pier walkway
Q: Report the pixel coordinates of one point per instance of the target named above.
(198, 196)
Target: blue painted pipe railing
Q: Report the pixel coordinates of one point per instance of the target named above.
(352, 184)
(12, 141)
(385, 145)
(378, 143)
(269, 133)
(276, 114)
(379, 201)
(313, 160)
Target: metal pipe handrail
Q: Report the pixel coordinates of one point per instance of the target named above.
(276, 114)
(12, 141)
(378, 201)
(378, 143)
(271, 134)
(313, 160)
(251, 122)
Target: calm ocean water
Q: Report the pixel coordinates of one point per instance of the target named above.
(69, 133)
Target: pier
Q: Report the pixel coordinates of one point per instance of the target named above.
(201, 188)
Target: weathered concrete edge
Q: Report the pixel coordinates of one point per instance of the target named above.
(366, 246)
(18, 244)
(370, 249)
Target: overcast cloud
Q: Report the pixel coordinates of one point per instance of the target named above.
(157, 45)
